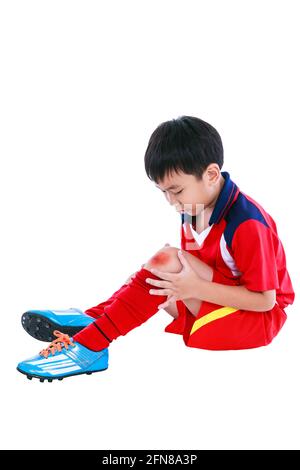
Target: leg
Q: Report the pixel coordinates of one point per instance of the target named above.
(172, 310)
(167, 259)
(192, 304)
(133, 304)
(98, 310)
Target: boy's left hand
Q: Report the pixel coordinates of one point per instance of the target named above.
(177, 286)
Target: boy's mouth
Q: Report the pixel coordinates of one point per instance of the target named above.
(188, 210)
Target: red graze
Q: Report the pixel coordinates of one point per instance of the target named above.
(160, 258)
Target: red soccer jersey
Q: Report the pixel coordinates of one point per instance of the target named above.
(242, 246)
(241, 242)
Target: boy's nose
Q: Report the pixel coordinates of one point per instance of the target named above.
(171, 199)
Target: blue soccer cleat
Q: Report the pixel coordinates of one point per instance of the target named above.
(64, 358)
(42, 323)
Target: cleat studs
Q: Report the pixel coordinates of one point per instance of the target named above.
(29, 377)
(49, 380)
(89, 373)
(42, 380)
(60, 378)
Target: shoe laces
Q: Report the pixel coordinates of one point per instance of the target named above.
(62, 341)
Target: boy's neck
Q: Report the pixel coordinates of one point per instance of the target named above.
(208, 210)
(211, 205)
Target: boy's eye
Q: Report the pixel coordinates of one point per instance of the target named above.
(174, 193)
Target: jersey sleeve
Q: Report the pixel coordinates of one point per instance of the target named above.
(254, 251)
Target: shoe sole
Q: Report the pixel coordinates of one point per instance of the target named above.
(41, 328)
(43, 379)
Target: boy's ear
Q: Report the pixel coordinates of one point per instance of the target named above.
(212, 173)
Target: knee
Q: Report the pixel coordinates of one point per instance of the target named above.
(165, 259)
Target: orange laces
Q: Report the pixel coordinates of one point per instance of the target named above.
(62, 341)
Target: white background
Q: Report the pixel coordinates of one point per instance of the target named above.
(83, 86)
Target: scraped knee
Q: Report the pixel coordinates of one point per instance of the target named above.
(165, 259)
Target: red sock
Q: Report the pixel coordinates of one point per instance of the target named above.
(132, 306)
(96, 311)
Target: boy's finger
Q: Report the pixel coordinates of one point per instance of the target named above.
(167, 302)
(159, 291)
(164, 275)
(158, 283)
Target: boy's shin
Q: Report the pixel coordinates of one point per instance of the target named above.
(98, 310)
(132, 306)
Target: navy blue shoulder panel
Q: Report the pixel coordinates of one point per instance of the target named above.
(241, 210)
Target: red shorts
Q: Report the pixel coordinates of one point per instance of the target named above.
(219, 328)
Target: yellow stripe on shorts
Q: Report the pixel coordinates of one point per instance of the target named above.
(212, 316)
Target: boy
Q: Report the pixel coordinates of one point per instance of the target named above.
(225, 289)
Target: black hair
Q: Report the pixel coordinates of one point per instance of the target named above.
(187, 143)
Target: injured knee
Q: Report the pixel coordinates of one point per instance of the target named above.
(160, 259)
(165, 259)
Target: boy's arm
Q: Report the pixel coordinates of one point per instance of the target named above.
(235, 296)
(254, 249)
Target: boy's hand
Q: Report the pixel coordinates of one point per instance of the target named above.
(177, 286)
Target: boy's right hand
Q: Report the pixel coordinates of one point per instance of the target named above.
(132, 275)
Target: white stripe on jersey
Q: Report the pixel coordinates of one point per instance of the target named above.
(227, 258)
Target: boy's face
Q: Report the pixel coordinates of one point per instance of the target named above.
(191, 195)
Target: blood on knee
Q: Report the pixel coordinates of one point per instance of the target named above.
(160, 258)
